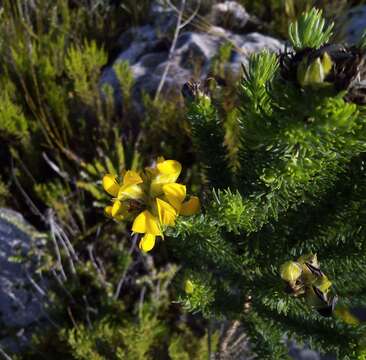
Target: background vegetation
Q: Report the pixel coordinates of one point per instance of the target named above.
(60, 133)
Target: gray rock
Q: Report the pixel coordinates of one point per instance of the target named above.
(354, 24)
(304, 353)
(147, 53)
(230, 15)
(20, 305)
(299, 353)
(164, 18)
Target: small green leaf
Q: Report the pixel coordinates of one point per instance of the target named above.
(309, 31)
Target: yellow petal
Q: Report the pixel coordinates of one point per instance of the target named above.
(323, 284)
(170, 167)
(344, 313)
(175, 193)
(110, 184)
(130, 192)
(160, 159)
(167, 213)
(166, 172)
(290, 271)
(116, 208)
(131, 178)
(146, 222)
(188, 287)
(147, 242)
(190, 207)
(108, 211)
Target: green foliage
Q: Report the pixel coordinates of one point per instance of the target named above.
(310, 31)
(82, 65)
(126, 80)
(141, 339)
(362, 43)
(219, 61)
(135, 12)
(165, 127)
(276, 15)
(261, 70)
(298, 188)
(13, 125)
(209, 138)
(4, 193)
(284, 160)
(185, 345)
(61, 131)
(201, 294)
(52, 99)
(136, 328)
(108, 341)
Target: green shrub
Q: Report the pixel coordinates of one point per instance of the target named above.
(298, 189)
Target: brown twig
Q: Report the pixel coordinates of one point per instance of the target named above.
(179, 26)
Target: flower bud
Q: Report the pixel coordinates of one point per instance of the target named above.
(315, 72)
(290, 271)
(188, 287)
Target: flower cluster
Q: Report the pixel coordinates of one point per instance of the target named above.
(152, 199)
(304, 278)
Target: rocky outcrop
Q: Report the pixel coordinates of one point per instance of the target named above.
(21, 303)
(146, 50)
(354, 24)
(304, 353)
(230, 15)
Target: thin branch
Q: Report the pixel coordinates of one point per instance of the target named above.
(123, 276)
(97, 260)
(55, 233)
(65, 238)
(72, 318)
(28, 200)
(242, 339)
(55, 168)
(35, 285)
(99, 271)
(173, 7)
(58, 256)
(192, 16)
(171, 50)
(228, 337)
(141, 301)
(4, 354)
(88, 320)
(60, 283)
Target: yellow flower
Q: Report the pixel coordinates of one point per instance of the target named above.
(154, 200)
(344, 314)
(130, 188)
(290, 271)
(146, 222)
(117, 210)
(147, 242)
(188, 287)
(110, 184)
(166, 212)
(166, 171)
(175, 194)
(169, 171)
